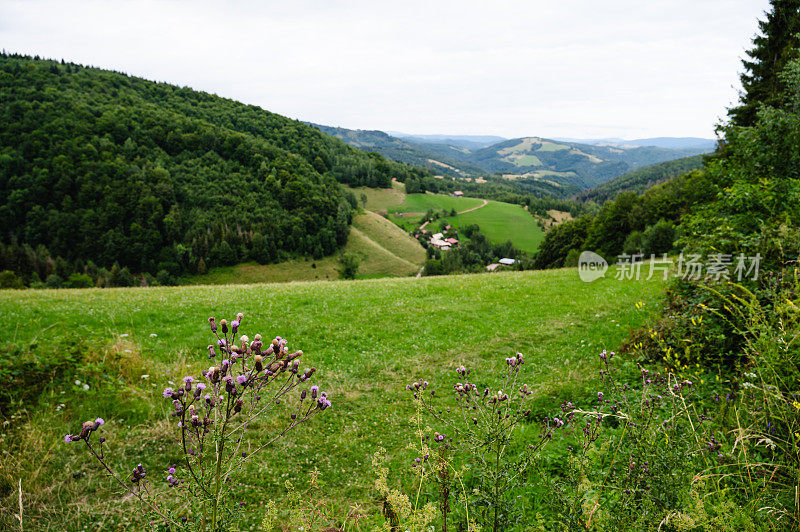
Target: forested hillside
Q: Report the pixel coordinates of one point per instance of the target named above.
(641, 179)
(100, 170)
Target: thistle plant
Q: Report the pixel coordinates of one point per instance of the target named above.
(639, 445)
(214, 416)
(485, 430)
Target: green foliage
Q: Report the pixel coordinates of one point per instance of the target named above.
(659, 238)
(641, 179)
(9, 279)
(79, 280)
(772, 50)
(348, 266)
(606, 231)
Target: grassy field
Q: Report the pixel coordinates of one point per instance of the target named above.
(421, 203)
(499, 221)
(381, 199)
(367, 339)
(385, 250)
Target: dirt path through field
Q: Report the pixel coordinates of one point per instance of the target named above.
(485, 202)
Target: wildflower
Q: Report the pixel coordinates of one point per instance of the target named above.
(138, 474)
(600, 395)
(223, 324)
(314, 391)
(234, 326)
(167, 393)
(85, 387)
(211, 352)
(187, 381)
(153, 335)
(213, 324)
(241, 379)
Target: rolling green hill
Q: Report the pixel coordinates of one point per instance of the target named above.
(585, 165)
(132, 342)
(100, 168)
(641, 179)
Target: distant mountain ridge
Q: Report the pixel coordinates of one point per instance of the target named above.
(673, 143)
(528, 161)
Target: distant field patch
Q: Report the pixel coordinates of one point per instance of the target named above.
(527, 160)
(381, 199)
(552, 146)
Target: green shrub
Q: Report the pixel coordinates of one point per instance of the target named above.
(54, 281)
(79, 280)
(9, 279)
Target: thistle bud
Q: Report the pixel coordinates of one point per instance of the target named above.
(234, 326)
(224, 326)
(213, 324)
(257, 362)
(257, 338)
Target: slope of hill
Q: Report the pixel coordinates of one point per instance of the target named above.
(99, 166)
(383, 250)
(641, 179)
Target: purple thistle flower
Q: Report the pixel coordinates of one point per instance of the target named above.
(187, 381)
(211, 352)
(213, 324)
(167, 393)
(235, 326)
(314, 391)
(241, 379)
(600, 395)
(171, 470)
(68, 438)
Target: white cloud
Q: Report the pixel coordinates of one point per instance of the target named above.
(575, 68)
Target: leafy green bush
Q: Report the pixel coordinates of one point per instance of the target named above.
(79, 280)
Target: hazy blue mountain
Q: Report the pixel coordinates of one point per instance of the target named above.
(465, 141)
(673, 143)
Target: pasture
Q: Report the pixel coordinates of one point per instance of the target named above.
(119, 347)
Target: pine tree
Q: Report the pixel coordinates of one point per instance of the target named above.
(777, 42)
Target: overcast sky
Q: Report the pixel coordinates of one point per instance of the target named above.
(556, 68)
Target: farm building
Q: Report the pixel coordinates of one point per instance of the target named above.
(458, 194)
(507, 262)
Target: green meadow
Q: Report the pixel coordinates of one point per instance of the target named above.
(499, 221)
(367, 339)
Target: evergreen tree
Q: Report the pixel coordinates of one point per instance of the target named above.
(775, 45)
